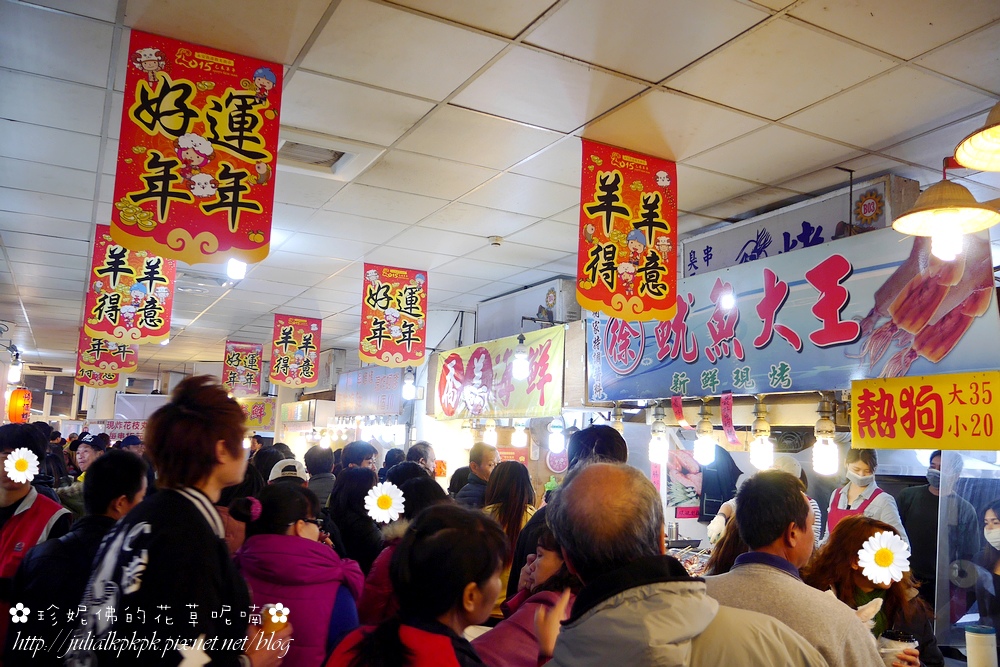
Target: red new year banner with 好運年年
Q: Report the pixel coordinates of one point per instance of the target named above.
(393, 316)
(241, 368)
(295, 351)
(196, 155)
(626, 262)
(130, 293)
(106, 356)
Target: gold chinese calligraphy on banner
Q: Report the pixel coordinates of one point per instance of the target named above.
(295, 350)
(478, 380)
(241, 368)
(959, 411)
(106, 356)
(393, 316)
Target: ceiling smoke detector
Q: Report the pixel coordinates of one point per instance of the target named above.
(495, 241)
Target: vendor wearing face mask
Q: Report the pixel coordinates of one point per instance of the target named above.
(988, 587)
(861, 495)
(918, 508)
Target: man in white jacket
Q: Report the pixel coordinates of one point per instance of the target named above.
(638, 606)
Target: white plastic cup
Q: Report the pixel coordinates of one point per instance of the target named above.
(892, 643)
(981, 645)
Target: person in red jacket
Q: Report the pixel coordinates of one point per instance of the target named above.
(446, 572)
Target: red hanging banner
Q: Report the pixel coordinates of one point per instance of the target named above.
(626, 264)
(393, 316)
(95, 379)
(677, 403)
(106, 356)
(295, 350)
(196, 156)
(130, 293)
(726, 404)
(241, 368)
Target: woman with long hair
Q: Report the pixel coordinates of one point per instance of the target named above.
(170, 552)
(987, 597)
(446, 573)
(836, 567)
(360, 534)
(861, 495)
(510, 500)
(285, 559)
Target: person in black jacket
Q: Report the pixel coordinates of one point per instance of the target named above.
(483, 459)
(165, 568)
(361, 536)
(56, 571)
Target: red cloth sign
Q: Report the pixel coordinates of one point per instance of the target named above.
(95, 379)
(626, 264)
(130, 293)
(196, 157)
(393, 316)
(241, 368)
(295, 350)
(106, 356)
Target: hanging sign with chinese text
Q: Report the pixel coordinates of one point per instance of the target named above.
(241, 368)
(295, 350)
(876, 305)
(477, 381)
(106, 356)
(117, 429)
(929, 412)
(626, 263)
(393, 316)
(370, 391)
(130, 293)
(95, 379)
(196, 156)
(259, 412)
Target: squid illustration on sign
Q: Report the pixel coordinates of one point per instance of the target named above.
(930, 304)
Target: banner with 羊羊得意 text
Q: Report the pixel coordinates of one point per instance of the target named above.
(295, 350)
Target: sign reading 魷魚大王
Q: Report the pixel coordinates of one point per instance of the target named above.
(196, 155)
(877, 305)
(628, 234)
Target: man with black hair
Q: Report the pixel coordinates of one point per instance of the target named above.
(594, 443)
(422, 453)
(360, 454)
(56, 571)
(319, 464)
(88, 449)
(483, 459)
(776, 522)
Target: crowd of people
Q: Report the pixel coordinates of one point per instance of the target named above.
(184, 548)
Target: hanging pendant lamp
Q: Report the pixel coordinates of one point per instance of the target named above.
(945, 211)
(981, 149)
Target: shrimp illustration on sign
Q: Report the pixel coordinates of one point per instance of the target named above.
(930, 305)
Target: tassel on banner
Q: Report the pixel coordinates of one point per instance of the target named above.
(676, 402)
(727, 418)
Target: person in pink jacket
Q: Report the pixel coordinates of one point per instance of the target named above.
(285, 559)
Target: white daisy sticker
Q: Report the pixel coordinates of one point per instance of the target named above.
(884, 558)
(21, 465)
(19, 613)
(279, 613)
(384, 502)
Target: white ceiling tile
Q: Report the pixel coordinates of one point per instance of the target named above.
(426, 239)
(904, 28)
(545, 90)
(565, 266)
(570, 216)
(475, 268)
(669, 125)
(339, 251)
(824, 180)
(559, 163)
(292, 217)
(263, 287)
(398, 50)
(117, 105)
(532, 277)
(301, 279)
(890, 108)
(468, 301)
(369, 202)
(689, 223)
(34, 256)
(50, 205)
(697, 188)
(104, 10)
(771, 154)
(469, 219)
(518, 254)
(37, 272)
(302, 190)
(341, 227)
(52, 288)
(476, 138)
(75, 48)
(37, 143)
(349, 110)
(408, 258)
(671, 33)
(33, 240)
(296, 260)
(930, 148)
(524, 195)
(47, 178)
(753, 73)
(500, 17)
(991, 178)
(974, 59)
(106, 188)
(423, 175)
(450, 283)
(549, 234)
(743, 205)
(44, 101)
(981, 191)
(330, 296)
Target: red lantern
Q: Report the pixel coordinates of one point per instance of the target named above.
(19, 406)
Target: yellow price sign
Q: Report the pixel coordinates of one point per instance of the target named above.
(958, 411)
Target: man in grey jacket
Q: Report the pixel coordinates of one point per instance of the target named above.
(638, 606)
(776, 522)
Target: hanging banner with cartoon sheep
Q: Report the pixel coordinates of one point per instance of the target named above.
(241, 368)
(295, 350)
(129, 293)
(626, 263)
(196, 156)
(106, 356)
(872, 306)
(393, 316)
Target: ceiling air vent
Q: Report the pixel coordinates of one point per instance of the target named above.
(43, 369)
(314, 155)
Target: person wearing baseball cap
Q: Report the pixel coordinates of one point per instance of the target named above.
(87, 448)
(134, 445)
(288, 471)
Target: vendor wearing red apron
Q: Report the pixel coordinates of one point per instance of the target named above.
(861, 495)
